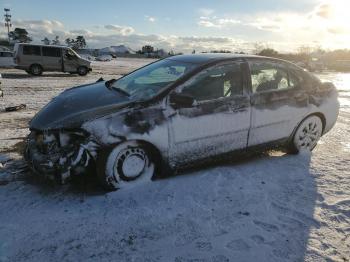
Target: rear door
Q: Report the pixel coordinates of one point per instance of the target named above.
(278, 101)
(218, 121)
(52, 58)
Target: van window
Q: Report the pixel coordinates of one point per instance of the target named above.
(5, 54)
(31, 50)
(52, 51)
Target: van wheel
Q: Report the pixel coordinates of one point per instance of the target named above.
(82, 70)
(36, 70)
(126, 165)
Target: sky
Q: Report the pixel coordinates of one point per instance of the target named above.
(186, 25)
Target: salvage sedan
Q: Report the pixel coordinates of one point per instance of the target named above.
(175, 112)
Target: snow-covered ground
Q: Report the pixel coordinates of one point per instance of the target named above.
(265, 207)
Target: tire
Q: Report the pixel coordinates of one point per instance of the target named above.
(82, 70)
(126, 165)
(36, 70)
(306, 135)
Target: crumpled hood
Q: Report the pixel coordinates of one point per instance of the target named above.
(77, 105)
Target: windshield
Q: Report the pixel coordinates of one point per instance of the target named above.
(146, 82)
(71, 52)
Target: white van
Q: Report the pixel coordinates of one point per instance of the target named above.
(6, 59)
(35, 59)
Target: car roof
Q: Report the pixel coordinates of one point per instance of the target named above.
(206, 58)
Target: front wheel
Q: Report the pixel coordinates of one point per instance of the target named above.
(126, 165)
(307, 134)
(82, 70)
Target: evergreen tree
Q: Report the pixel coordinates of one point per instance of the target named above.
(20, 35)
(56, 41)
(46, 41)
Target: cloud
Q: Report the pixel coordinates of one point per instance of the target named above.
(206, 11)
(150, 18)
(80, 32)
(284, 31)
(123, 30)
(324, 11)
(38, 29)
(217, 22)
(116, 35)
(206, 23)
(324, 24)
(47, 26)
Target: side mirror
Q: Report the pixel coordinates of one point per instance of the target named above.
(178, 100)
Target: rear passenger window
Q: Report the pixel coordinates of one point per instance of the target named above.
(31, 50)
(267, 76)
(52, 51)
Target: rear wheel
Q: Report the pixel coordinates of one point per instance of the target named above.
(82, 70)
(307, 134)
(126, 165)
(36, 70)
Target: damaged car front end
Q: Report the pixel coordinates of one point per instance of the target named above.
(58, 154)
(58, 146)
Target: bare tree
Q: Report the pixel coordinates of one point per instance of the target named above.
(258, 47)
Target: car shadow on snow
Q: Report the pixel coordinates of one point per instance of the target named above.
(260, 206)
(253, 208)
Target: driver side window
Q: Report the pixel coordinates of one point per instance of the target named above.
(216, 82)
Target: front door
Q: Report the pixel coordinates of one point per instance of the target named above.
(278, 101)
(70, 61)
(218, 121)
(52, 58)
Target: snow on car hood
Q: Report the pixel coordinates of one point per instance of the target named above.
(79, 104)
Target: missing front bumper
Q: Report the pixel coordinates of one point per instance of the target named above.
(59, 163)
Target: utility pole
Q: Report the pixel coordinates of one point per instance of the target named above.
(7, 21)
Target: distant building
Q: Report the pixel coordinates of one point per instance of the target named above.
(115, 50)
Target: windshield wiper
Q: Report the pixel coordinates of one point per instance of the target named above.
(120, 90)
(109, 85)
